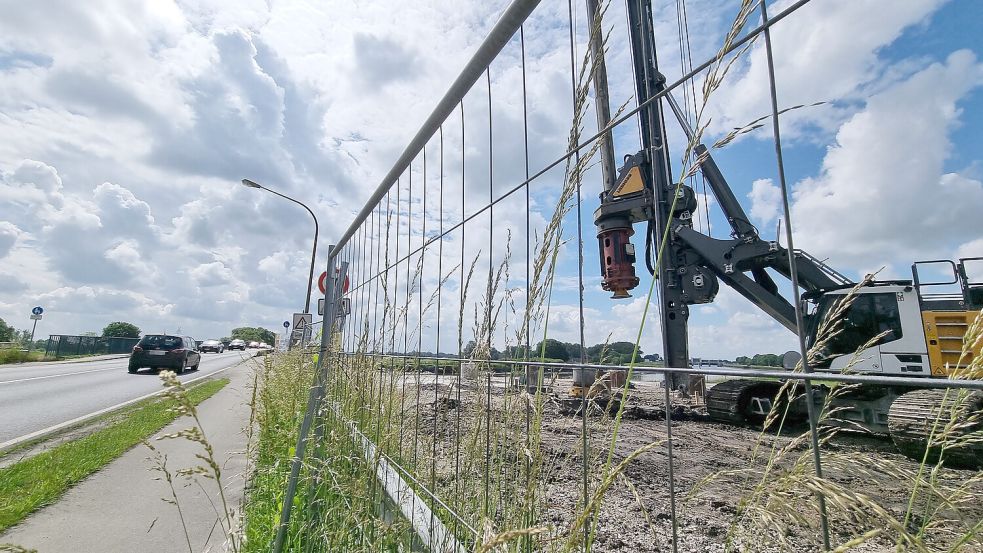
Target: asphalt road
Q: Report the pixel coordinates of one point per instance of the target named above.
(35, 396)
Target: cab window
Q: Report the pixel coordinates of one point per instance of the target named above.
(868, 316)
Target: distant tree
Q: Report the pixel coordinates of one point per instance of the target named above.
(613, 353)
(514, 352)
(468, 350)
(760, 359)
(553, 349)
(6, 332)
(573, 350)
(624, 348)
(253, 334)
(121, 329)
(767, 360)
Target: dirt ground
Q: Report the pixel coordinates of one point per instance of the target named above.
(873, 478)
(640, 520)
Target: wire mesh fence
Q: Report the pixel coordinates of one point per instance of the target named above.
(61, 345)
(435, 404)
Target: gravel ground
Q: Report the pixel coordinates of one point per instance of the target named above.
(636, 514)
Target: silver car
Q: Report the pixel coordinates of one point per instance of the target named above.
(211, 345)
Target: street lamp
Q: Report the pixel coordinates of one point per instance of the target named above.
(310, 278)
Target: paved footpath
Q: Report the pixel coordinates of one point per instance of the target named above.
(119, 508)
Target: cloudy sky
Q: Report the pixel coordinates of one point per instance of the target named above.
(127, 126)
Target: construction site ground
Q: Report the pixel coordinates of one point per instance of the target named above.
(636, 511)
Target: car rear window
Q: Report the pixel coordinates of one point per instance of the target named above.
(160, 341)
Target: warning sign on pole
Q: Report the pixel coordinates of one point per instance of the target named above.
(302, 320)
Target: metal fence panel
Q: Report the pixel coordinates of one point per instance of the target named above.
(469, 254)
(60, 345)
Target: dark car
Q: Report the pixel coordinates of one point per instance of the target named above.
(211, 345)
(163, 351)
(237, 344)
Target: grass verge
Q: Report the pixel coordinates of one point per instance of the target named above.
(19, 356)
(35, 482)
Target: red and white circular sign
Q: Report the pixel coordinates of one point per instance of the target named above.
(322, 282)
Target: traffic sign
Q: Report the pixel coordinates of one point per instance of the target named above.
(37, 310)
(322, 282)
(286, 324)
(35, 316)
(346, 307)
(302, 320)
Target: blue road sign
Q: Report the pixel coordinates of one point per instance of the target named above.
(37, 310)
(286, 324)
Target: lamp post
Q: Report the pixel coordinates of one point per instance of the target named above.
(310, 278)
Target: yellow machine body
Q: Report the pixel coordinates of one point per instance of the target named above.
(944, 333)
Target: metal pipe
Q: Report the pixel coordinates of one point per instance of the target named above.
(602, 103)
(901, 381)
(794, 275)
(501, 33)
(313, 401)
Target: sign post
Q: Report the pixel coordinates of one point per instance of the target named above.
(35, 316)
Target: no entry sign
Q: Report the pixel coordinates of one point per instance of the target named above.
(322, 282)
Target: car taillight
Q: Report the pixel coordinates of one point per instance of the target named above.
(137, 349)
(178, 351)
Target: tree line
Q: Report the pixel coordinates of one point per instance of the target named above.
(612, 353)
(761, 360)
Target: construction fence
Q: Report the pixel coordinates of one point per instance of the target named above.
(478, 246)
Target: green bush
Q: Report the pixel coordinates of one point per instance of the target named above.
(16, 355)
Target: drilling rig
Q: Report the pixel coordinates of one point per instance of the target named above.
(901, 327)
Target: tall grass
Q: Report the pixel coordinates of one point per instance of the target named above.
(778, 488)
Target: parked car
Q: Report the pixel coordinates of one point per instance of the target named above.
(164, 351)
(237, 344)
(211, 345)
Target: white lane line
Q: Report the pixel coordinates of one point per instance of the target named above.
(55, 428)
(2, 382)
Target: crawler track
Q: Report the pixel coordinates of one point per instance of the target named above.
(919, 415)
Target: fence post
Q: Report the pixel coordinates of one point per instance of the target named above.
(313, 400)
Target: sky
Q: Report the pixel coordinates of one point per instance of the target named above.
(128, 125)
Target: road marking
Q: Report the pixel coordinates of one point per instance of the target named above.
(56, 375)
(62, 425)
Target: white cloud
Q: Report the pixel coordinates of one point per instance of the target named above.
(128, 127)
(973, 248)
(766, 201)
(8, 237)
(883, 193)
(825, 52)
